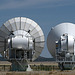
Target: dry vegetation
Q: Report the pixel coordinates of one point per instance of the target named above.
(70, 72)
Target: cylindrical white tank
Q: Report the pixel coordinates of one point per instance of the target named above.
(20, 43)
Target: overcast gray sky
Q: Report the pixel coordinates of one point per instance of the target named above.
(47, 13)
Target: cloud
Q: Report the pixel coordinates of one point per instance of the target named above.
(11, 4)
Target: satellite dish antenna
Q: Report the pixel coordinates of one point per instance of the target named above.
(61, 43)
(21, 38)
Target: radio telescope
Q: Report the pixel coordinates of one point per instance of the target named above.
(61, 44)
(21, 40)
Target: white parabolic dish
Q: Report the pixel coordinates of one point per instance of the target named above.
(25, 24)
(55, 34)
